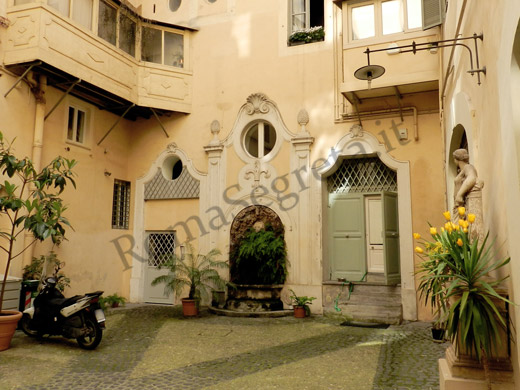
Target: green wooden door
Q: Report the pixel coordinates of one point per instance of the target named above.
(347, 236)
(391, 238)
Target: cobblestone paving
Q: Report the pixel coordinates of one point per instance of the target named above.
(153, 347)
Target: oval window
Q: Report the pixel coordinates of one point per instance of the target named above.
(177, 169)
(260, 139)
(172, 167)
(174, 5)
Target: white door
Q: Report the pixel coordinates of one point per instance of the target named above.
(374, 234)
(161, 245)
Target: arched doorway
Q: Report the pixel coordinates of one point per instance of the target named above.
(363, 221)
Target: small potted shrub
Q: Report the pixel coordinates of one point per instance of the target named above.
(301, 304)
(195, 271)
(112, 301)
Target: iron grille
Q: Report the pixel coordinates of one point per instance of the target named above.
(183, 187)
(121, 204)
(362, 175)
(160, 248)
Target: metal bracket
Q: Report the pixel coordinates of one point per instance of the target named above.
(61, 98)
(115, 124)
(22, 76)
(160, 123)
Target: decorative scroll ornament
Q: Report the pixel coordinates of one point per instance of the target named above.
(258, 103)
(356, 131)
(256, 172)
(172, 147)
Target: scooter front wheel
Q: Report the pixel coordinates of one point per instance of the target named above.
(93, 337)
(25, 325)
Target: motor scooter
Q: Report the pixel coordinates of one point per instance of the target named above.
(79, 317)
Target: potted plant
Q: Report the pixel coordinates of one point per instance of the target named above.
(112, 301)
(455, 274)
(30, 202)
(195, 271)
(301, 304)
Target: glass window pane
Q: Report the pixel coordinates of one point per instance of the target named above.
(127, 29)
(392, 17)
(414, 10)
(61, 5)
(298, 22)
(298, 6)
(80, 126)
(269, 138)
(251, 141)
(82, 12)
(363, 23)
(173, 49)
(151, 45)
(107, 22)
(70, 125)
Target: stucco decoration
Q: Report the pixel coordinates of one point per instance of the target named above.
(258, 107)
(255, 173)
(356, 131)
(258, 103)
(468, 193)
(184, 187)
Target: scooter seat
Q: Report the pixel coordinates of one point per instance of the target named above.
(71, 300)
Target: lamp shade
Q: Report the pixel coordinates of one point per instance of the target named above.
(369, 72)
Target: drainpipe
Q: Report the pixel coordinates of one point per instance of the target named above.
(38, 89)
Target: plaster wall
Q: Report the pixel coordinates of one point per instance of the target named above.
(487, 113)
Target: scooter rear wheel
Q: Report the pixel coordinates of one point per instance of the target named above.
(24, 324)
(93, 338)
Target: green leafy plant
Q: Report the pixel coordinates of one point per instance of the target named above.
(262, 257)
(113, 300)
(455, 280)
(302, 301)
(308, 35)
(30, 202)
(195, 271)
(34, 271)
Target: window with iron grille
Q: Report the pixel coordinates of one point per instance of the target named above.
(121, 204)
(362, 175)
(161, 246)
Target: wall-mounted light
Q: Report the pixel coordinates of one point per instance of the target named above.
(107, 174)
(370, 72)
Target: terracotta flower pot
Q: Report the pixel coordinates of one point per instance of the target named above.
(189, 307)
(299, 311)
(8, 321)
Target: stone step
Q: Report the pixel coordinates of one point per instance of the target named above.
(372, 313)
(371, 299)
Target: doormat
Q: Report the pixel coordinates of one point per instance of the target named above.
(359, 324)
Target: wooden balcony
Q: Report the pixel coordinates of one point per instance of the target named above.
(66, 51)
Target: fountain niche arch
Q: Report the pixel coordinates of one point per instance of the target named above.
(248, 297)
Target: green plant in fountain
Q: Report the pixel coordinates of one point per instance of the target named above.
(194, 271)
(302, 301)
(262, 257)
(455, 280)
(34, 270)
(30, 202)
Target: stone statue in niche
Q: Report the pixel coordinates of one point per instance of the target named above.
(468, 192)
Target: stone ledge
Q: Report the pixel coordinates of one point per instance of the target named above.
(450, 382)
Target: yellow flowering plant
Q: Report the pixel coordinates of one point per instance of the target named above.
(454, 279)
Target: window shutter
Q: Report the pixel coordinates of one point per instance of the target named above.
(433, 12)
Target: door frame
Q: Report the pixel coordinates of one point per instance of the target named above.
(361, 144)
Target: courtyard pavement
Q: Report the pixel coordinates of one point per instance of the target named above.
(154, 347)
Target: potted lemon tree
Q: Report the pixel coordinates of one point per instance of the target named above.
(30, 202)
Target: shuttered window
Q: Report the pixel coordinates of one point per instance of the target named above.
(433, 12)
